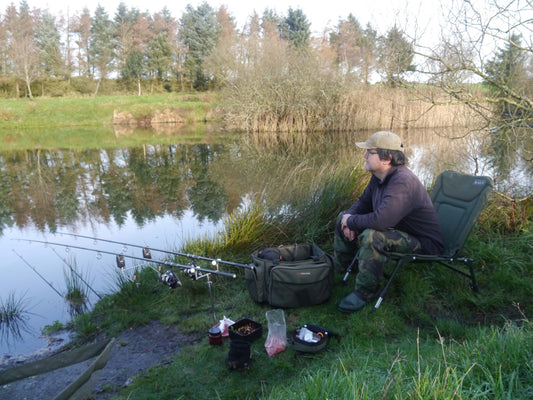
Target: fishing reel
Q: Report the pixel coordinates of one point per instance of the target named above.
(193, 272)
(170, 279)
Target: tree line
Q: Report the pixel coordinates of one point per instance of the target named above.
(163, 51)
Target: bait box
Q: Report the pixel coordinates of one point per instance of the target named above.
(245, 329)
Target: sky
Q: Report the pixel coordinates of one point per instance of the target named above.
(382, 14)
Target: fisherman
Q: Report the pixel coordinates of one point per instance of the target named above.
(394, 214)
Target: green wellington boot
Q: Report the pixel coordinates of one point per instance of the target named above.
(351, 303)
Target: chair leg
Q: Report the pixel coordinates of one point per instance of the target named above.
(349, 269)
(475, 286)
(383, 293)
(471, 275)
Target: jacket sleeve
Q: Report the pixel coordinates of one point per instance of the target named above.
(363, 205)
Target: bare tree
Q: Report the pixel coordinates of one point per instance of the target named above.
(82, 29)
(356, 47)
(221, 62)
(21, 44)
(485, 62)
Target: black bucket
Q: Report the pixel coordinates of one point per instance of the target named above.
(240, 355)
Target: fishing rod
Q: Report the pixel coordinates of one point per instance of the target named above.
(147, 251)
(76, 273)
(38, 274)
(192, 270)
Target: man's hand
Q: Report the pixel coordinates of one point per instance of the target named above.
(350, 235)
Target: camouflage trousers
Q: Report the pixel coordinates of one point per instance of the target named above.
(371, 249)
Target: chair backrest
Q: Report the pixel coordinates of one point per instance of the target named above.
(458, 199)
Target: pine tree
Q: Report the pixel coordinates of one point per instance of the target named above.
(48, 43)
(506, 74)
(101, 44)
(199, 33)
(395, 56)
(295, 28)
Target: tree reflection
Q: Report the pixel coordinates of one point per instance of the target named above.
(53, 188)
(509, 153)
(208, 198)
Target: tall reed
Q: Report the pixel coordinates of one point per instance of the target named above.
(13, 318)
(348, 108)
(77, 295)
(381, 107)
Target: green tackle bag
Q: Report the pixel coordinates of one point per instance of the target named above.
(290, 276)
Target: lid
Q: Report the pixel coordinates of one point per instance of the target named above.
(214, 331)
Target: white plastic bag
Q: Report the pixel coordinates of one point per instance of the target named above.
(224, 325)
(277, 332)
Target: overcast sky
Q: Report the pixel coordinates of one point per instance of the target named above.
(382, 14)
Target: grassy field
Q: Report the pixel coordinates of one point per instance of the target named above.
(87, 122)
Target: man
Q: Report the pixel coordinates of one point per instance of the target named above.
(394, 214)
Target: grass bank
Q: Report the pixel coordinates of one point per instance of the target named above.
(431, 338)
(65, 112)
(87, 122)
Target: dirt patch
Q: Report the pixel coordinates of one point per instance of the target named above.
(135, 350)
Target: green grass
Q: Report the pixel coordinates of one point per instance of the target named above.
(431, 338)
(55, 327)
(86, 122)
(94, 111)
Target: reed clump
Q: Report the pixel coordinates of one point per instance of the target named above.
(378, 107)
(507, 215)
(13, 317)
(287, 107)
(309, 194)
(77, 293)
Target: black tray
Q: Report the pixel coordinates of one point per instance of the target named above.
(254, 331)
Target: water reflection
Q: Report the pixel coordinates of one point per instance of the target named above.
(478, 153)
(52, 188)
(157, 195)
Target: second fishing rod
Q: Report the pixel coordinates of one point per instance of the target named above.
(192, 270)
(147, 251)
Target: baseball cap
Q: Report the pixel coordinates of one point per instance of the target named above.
(382, 140)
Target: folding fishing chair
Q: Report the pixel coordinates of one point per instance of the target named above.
(458, 199)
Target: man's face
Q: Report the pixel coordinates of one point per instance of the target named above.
(373, 163)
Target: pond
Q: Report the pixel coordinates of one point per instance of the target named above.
(160, 196)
